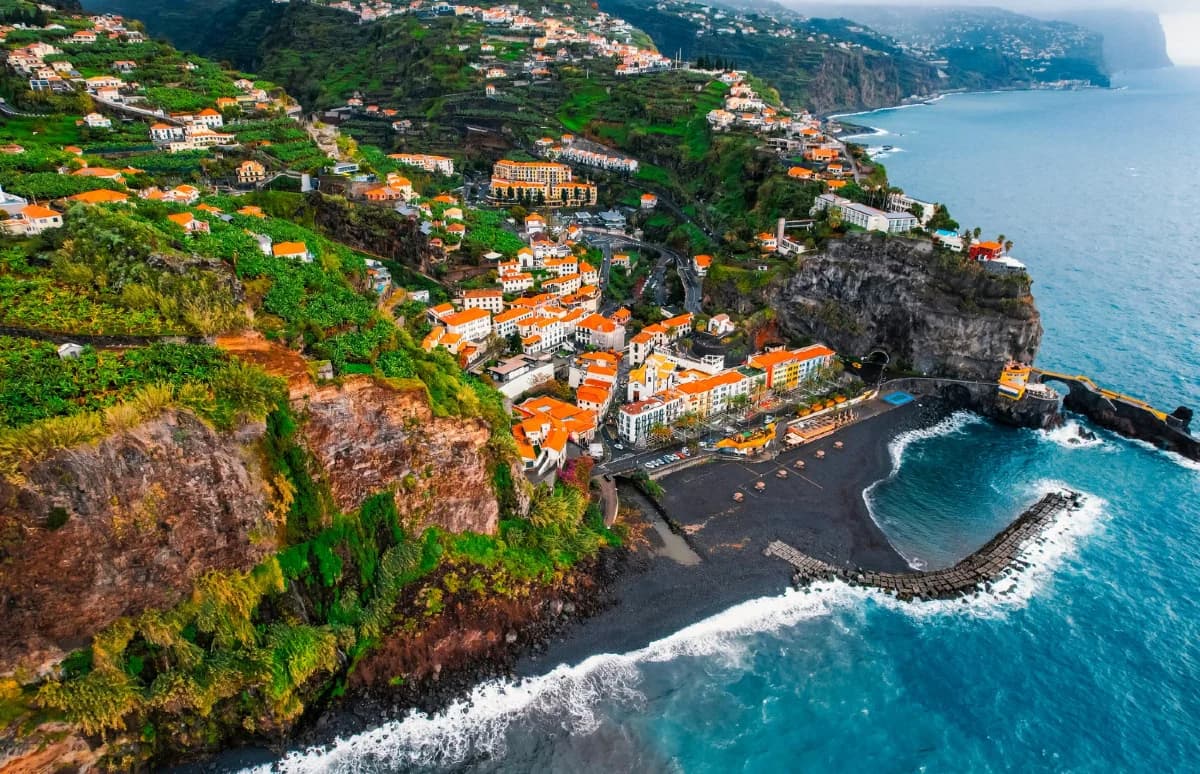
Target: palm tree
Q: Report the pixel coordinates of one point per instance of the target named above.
(976, 232)
(1008, 247)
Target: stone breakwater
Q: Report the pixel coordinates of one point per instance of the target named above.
(970, 575)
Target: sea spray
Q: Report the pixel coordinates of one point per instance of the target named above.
(475, 727)
(1069, 435)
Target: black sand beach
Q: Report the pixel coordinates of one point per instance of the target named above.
(819, 510)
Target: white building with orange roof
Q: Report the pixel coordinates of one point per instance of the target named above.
(636, 420)
(435, 313)
(561, 267)
(721, 325)
(297, 251)
(715, 394)
(589, 273)
(701, 264)
(491, 300)
(649, 201)
(442, 165)
(534, 223)
(471, 324)
(505, 323)
(587, 298)
(563, 286)
(189, 222)
(541, 333)
(209, 118)
(598, 331)
(598, 366)
(440, 337)
(517, 282)
(33, 219)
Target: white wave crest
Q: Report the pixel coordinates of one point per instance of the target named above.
(956, 422)
(1176, 457)
(477, 726)
(1068, 436)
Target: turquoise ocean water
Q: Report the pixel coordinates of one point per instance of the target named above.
(1089, 660)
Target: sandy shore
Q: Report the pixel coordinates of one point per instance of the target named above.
(819, 510)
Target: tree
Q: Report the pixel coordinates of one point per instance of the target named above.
(1008, 247)
(661, 433)
(976, 232)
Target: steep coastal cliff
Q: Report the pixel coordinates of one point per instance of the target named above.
(853, 80)
(930, 311)
(156, 574)
(109, 529)
(368, 436)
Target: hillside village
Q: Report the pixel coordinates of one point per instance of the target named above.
(411, 351)
(538, 308)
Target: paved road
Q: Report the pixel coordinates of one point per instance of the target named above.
(692, 284)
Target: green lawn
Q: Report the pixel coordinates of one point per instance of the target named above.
(55, 130)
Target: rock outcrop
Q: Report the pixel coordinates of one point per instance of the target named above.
(930, 311)
(105, 530)
(368, 436)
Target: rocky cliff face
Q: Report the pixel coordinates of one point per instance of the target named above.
(852, 80)
(105, 530)
(110, 529)
(931, 312)
(374, 230)
(368, 436)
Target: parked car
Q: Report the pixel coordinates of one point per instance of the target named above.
(650, 465)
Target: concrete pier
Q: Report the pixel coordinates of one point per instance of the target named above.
(968, 576)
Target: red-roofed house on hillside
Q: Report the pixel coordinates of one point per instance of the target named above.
(985, 251)
(294, 250)
(471, 324)
(33, 219)
(598, 331)
(701, 264)
(189, 222)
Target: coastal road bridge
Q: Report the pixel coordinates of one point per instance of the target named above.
(1079, 382)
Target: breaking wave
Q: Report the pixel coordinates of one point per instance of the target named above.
(1070, 436)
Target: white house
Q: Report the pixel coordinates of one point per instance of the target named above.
(635, 420)
(97, 121)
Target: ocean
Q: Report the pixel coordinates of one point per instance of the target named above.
(1088, 658)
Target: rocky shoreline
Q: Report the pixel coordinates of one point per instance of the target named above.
(508, 631)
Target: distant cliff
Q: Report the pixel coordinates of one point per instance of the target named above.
(930, 311)
(1133, 39)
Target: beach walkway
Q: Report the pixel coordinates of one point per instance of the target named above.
(982, 567)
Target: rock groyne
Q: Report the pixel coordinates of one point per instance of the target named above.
(982, 567)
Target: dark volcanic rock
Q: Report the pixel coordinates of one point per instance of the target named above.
(930, 311)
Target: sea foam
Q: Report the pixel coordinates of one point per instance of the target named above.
(568, 696)
(1067, 435)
